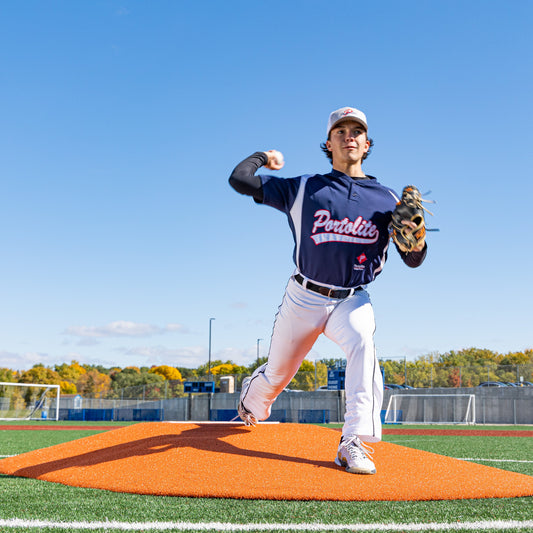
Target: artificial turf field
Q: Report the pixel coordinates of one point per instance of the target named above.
(32, 505)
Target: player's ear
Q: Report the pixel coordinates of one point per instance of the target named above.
(328, 145)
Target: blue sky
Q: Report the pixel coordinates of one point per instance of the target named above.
(121, 122)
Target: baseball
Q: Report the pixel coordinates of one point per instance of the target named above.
(278, 156)
(275, 159)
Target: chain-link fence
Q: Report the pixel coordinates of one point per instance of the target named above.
(418, 375)
(150, 391)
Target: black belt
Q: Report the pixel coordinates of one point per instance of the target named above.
(325, 291)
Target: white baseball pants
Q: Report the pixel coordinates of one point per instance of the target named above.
(302, 316)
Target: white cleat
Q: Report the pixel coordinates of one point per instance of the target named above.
(353, 455)
(246, 416)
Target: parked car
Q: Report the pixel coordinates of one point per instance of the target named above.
(524, 384)
(492, 384)
(393, 386)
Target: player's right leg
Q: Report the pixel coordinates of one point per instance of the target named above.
(300, 320)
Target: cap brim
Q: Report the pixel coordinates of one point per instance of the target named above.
(346, 119)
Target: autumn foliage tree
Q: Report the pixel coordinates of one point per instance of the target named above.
(40, 374)
(305, 378)
(93, 384)
(67, 387)
(7, 375)
(227, 369)
(455, 368)
(167, 372)
(70, 372)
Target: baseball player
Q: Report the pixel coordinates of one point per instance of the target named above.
(340, 224)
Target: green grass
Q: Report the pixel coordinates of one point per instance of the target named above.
(32, 499)
(53, 423)
(476, 448)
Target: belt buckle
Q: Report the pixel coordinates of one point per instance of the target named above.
(324, 291)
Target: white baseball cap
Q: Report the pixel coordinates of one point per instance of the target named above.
(344, 113)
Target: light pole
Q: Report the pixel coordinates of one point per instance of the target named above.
(258, 351)
(209, 364)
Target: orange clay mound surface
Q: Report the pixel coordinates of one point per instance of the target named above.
(270, 461)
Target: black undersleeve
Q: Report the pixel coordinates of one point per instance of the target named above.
(243, 178)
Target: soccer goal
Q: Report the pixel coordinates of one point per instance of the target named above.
(431, 409)
(29, 401)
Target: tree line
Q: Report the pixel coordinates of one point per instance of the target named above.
(463, 368)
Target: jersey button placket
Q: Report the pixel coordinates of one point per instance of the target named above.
(353, 194)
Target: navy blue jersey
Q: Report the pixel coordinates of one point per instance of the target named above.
(340, 224)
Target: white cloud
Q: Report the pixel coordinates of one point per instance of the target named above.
(189, 357)
(176, 327)
(24, 361)
(87, 341)
(123, 328)
(239, 305)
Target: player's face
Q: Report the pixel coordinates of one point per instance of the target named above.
(348, 142)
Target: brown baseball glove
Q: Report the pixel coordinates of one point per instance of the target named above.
(409, 236)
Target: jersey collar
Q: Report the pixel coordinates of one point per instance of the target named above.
(338, 174)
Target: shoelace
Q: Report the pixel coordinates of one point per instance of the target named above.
(356, 447)
(249, 419)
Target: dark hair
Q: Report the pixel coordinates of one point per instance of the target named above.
(329, 155)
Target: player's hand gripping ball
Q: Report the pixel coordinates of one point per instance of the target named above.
(275, 160)
(408, 225)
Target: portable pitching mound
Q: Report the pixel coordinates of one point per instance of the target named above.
(270, 461)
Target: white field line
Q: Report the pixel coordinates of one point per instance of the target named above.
(473, 458)
(458, 458)
(488, 525)
(493, 460)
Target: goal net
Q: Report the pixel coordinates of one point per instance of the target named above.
(29, 401)
(431, 409)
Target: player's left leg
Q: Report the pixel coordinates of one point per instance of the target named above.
(351, 326)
